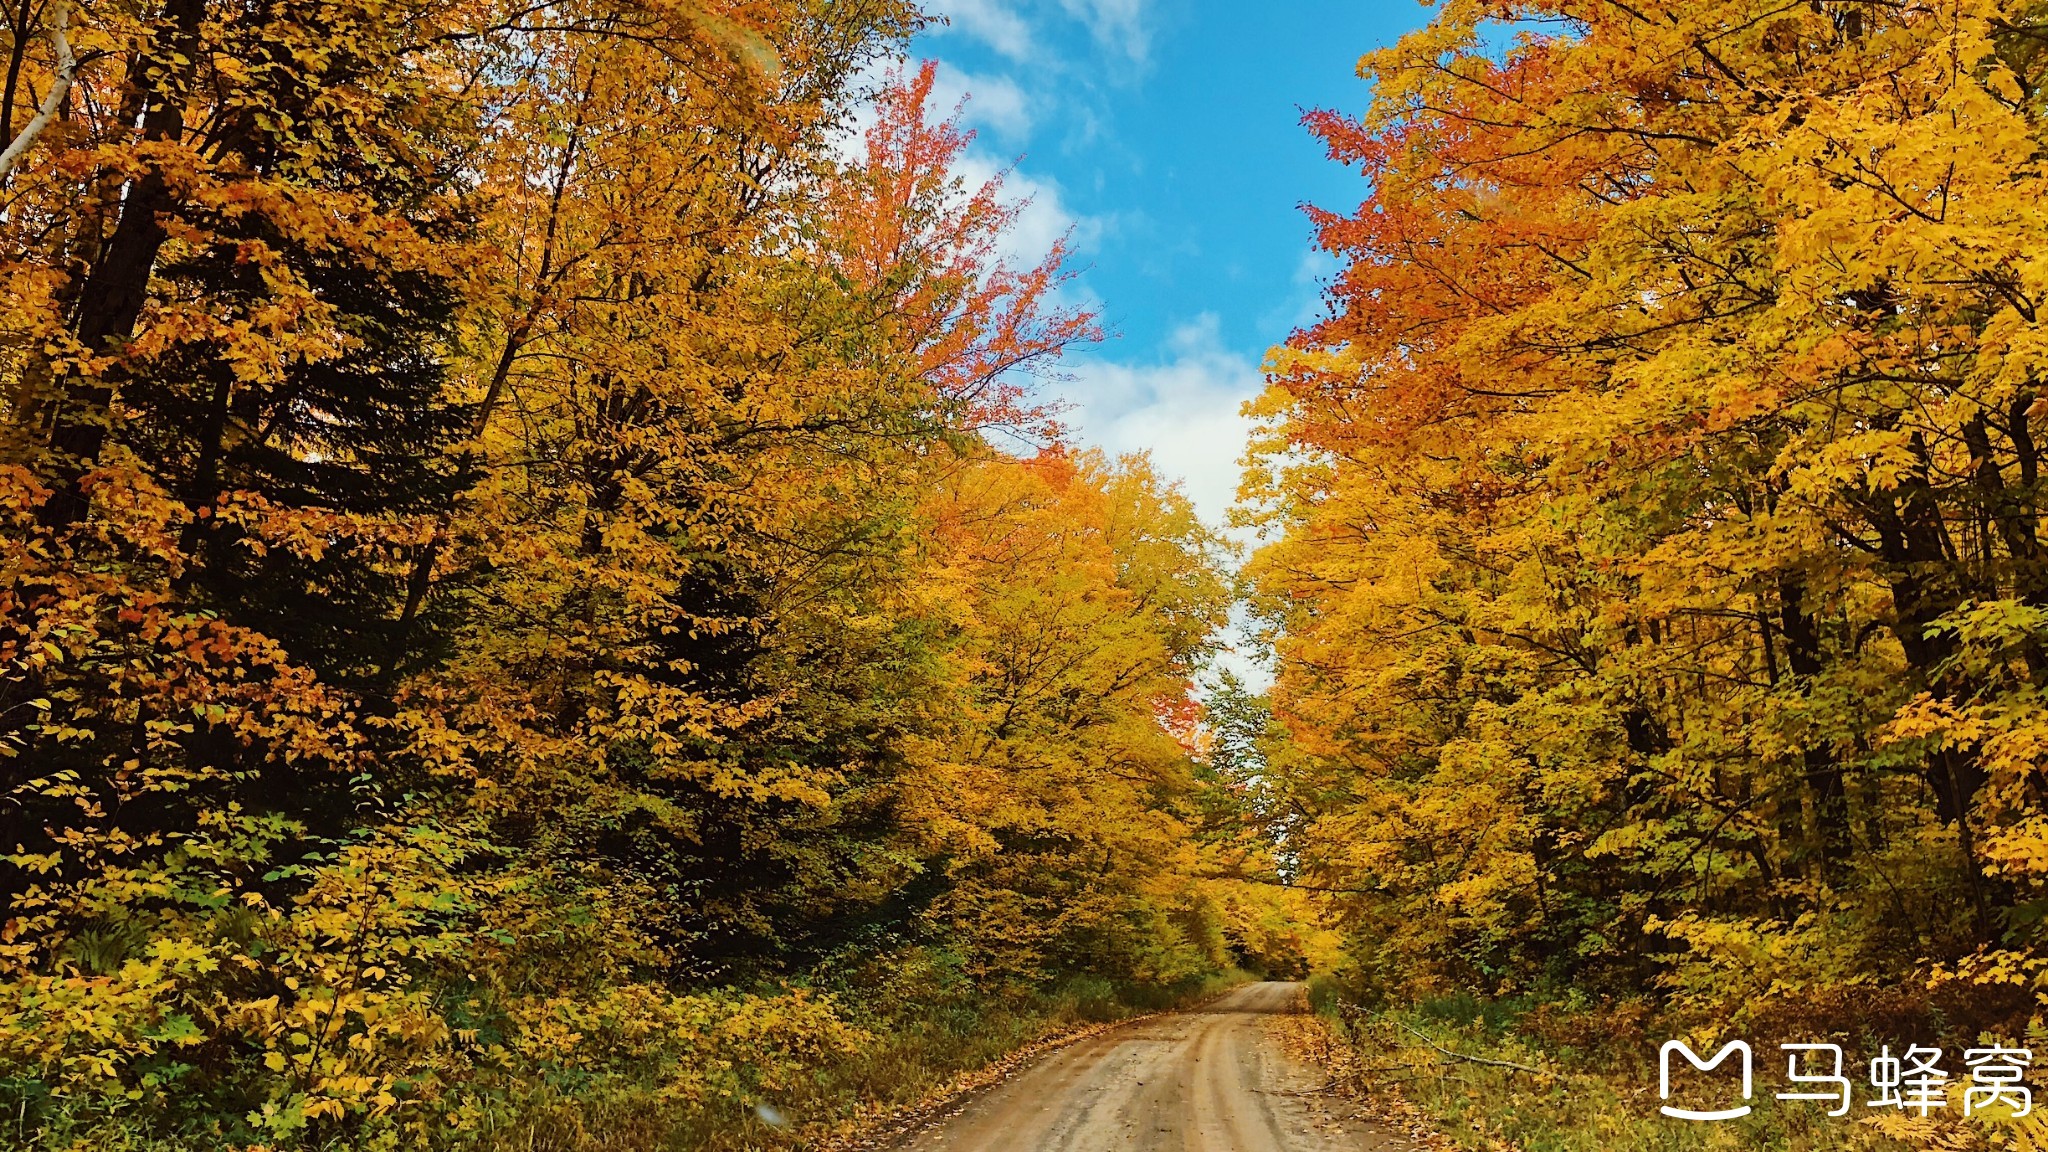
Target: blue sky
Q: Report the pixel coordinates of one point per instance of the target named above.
(1165, 135)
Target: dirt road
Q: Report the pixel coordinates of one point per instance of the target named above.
(1212, 1080)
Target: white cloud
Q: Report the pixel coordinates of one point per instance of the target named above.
(996, 103)
(1115, 24)
(1044, 219)
(993, 22)
(1012, 27)
(1182, 408)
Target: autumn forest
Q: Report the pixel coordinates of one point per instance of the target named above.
(544, 602)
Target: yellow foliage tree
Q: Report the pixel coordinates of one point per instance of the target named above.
(1659, 574)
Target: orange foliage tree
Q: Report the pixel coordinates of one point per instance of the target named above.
(1658, 565)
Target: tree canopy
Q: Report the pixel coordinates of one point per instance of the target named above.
(1656, 565)
(512, 616)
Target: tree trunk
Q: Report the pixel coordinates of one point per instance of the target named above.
(115, 290)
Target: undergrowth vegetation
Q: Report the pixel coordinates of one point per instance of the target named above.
(1488, 1075)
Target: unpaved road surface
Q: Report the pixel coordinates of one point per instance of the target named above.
(1212, 1080)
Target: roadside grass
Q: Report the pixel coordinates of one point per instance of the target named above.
(933, 1034)
(927, 1031)
(1583, 1097)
